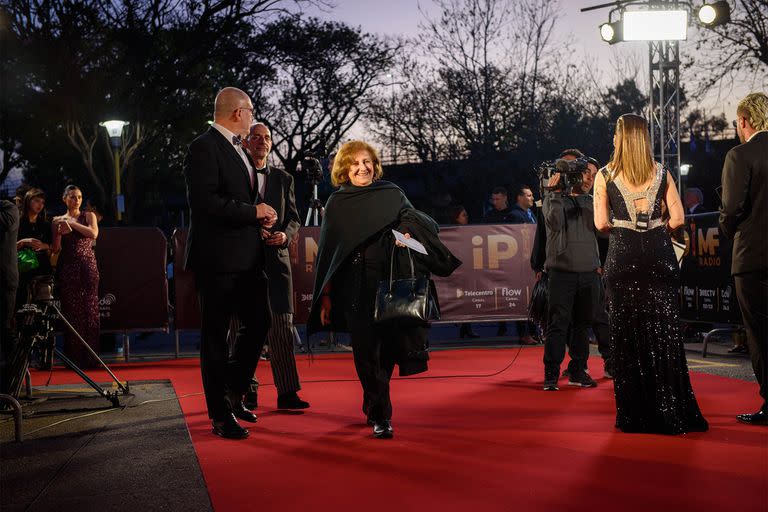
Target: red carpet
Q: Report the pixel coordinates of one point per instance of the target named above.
(477, 444)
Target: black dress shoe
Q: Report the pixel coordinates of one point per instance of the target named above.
(291, 400)
(229, 428)
(383, 430)
(239, 410)
(251, 400)
(758, 418)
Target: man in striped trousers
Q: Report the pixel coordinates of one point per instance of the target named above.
(276, 189)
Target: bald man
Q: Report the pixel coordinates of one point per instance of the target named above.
(225, 251)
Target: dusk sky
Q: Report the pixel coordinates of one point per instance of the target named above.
(402, 17)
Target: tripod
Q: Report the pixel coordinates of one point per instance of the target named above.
(315, 209)
(35, 322)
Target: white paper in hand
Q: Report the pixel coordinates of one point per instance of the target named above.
(409, 242)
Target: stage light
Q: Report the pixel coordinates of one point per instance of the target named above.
(611, 32)
(714, 14)
(685, 169)
(655, 25)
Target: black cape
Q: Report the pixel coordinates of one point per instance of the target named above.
(354, 215)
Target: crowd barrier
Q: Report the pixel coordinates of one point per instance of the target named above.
(493, 284)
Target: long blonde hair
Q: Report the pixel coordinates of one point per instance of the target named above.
(632, 153)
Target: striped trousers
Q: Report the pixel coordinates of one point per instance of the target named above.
(280, 338)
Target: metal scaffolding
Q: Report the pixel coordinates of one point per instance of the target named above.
(664, 114)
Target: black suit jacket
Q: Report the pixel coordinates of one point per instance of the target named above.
(279, 194)
(224, 234)
(9, 229)
(744, 210)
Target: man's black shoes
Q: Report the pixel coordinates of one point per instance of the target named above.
(758, 418)
(291, 400)
(229, 428)
(238, 409)
(581, 379)
(383, 430)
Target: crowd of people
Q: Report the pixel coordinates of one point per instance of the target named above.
(60, 250)
(604, 256)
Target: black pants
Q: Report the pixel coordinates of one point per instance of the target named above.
(752, 292)
(375, 354)
(221, 296)
(601, 323)
(572, 299)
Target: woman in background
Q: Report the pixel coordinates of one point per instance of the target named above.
(34, 235)
(77, 276)
(652, 388)
(459, 216)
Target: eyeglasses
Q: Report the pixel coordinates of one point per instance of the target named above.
(249, 109)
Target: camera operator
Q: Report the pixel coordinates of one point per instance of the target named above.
(572, 261)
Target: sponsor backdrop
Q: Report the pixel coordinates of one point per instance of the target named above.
(133, 287)
(707, 291)
(494, 282)
(496, 279)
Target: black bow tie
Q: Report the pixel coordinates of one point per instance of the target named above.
(262, 171)
(237, 140)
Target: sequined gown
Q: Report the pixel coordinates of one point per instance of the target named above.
(78, 284)
(652, 387)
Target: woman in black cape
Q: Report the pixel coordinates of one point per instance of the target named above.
(354, 251)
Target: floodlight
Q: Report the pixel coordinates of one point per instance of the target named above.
(685, 169)
(714, 14)
(611, 32)
(655, 25)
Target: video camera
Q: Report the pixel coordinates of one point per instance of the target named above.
(312, 168)
(570, 174)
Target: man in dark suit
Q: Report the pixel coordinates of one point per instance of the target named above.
(275, 188)
(693, 200)
(9, 277)
(521, 213)
(225, 251)
(744, 218)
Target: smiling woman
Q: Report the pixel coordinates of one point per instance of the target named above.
(356, 163)
(354, 252)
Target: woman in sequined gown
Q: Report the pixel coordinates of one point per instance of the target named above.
(652, 387)
(77, 276)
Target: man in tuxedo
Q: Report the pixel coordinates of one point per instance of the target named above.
(275, 187)
(693, 200)
(744, 218)
(225, 251)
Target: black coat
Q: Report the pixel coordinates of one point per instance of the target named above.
(9, 229)
(743, 214)
(280, 196)
(224, 234)
(356, 216)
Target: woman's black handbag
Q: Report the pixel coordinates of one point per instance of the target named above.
(411, 301)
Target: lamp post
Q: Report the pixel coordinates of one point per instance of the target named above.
(115, 132)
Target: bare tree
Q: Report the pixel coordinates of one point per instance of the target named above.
(319, 78)
(736, 51)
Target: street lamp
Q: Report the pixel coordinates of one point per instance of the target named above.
(115, 131)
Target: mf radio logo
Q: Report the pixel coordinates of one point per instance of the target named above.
(703, 244)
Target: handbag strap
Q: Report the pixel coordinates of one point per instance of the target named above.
(392, 265)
